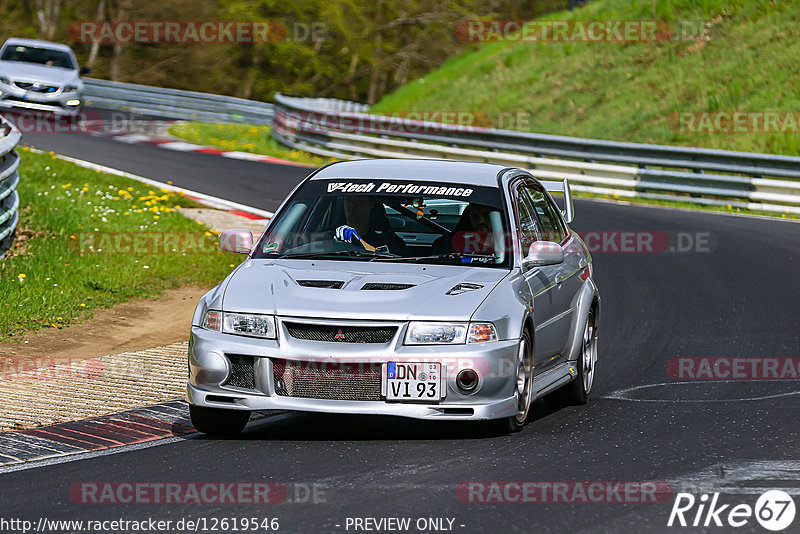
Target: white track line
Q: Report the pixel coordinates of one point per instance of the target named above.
(214, 202)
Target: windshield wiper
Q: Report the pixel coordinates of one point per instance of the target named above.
(449, 255)
(347, 253)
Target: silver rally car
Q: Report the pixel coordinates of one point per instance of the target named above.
(415, 288)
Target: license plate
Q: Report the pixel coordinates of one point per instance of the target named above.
(412, 381)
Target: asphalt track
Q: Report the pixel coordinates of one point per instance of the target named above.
(739, 299)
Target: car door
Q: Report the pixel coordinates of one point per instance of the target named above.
(566, 275)
(542, 285)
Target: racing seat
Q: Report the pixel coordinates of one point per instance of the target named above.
(463, 236)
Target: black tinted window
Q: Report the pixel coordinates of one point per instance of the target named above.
(550, 223)
(41, 56)
(528, 223)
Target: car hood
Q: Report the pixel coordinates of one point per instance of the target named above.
(31, 72)
(271, 286)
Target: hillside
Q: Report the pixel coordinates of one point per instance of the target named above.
(737, 56)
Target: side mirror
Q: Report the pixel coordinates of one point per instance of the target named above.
(544, 253)
(238, 241)
(85, 70)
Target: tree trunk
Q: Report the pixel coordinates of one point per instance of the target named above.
(95, 49)
(116, 60)
(47, 12)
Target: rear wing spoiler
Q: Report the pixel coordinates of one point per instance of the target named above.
(563, 188)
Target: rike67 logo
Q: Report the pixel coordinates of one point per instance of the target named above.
(774, 510)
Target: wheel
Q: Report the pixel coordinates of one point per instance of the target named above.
(576, 393)
(218, 421)
(524, 386)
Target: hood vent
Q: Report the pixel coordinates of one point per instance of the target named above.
(380, 286)
(324, 284)
(463, 288)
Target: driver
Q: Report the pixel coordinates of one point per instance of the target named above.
(366, 224)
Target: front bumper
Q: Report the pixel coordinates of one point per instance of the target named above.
(210, 370)
(14, 97)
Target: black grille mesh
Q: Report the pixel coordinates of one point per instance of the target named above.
(40, 89)
(379, 286)
(325, 284)
(327, 380)
(341, 334)
(242, 372)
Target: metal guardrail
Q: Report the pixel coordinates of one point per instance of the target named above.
(700, 176)
(174, 103)
(9, 178)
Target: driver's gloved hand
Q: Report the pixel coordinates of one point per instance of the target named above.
(346, 233)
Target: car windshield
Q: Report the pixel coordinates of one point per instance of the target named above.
(391, 221)
(41, 56)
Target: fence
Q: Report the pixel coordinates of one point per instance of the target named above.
(699, 176)
(173, 103)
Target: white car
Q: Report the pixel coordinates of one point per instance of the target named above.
(40, 75)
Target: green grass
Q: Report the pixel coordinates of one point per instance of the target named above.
(744, 59)
(253, 138)
(51, 278)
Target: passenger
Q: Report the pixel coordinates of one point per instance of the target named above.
(473, 233)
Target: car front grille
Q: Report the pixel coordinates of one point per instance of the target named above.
(327, 380)
(341, 334)
(29, 86)
(242, 371)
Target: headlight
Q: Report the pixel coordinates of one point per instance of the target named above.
(212, 320)
(429, 333)
(5, 80)
(249, 324)
(69, 88)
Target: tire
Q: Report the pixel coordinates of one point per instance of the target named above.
(576, 393)
(524, 387)
(218, 421)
